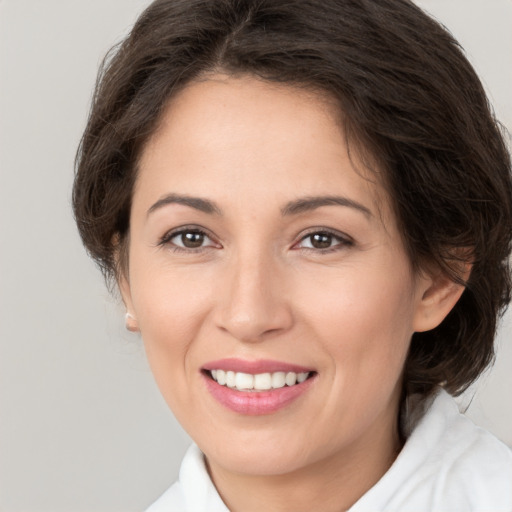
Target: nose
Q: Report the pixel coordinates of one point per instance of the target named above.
(252, 305)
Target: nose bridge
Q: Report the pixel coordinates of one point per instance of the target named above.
(253, 305)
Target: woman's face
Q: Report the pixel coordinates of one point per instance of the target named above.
(256, 248)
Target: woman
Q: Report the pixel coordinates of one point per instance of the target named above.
(307, 208)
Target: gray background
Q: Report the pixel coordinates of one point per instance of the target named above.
(82, 425)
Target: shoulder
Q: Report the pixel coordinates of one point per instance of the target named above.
(447, 464)
(469, 466)
(461, 448)
(171, 500)
(194, 491)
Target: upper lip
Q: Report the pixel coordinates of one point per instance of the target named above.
(254, 367)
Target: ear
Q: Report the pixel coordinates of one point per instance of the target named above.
(130, 318)
(438, 294)
(123, 282)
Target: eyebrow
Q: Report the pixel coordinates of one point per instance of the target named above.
(203, 205)
(295, 207)
(307, 204)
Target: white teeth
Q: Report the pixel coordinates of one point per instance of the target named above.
(244, 381)
(278, 380)
(221, 377)
(230, 379)
(263, 381)
(290, 379)
(301, 377)
(259, 382)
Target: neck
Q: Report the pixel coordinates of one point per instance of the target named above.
(336, 482)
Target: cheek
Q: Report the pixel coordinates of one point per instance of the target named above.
(363, 323)
(364, 318)
(170, 309)
(168, 301)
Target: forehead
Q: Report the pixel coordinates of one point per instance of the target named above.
(222, 133)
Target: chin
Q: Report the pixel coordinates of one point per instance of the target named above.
(256, 461)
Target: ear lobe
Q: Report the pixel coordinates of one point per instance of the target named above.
(438, 297)
(121, 264)
(131, 323)
(130, 318)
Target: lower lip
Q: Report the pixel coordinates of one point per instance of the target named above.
(255, 403)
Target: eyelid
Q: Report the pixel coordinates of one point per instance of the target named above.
(344, 239)
(169, 235)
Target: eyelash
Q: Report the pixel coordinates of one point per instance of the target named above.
(166, 239)
(343, 240)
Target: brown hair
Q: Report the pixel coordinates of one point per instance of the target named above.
(408, 96)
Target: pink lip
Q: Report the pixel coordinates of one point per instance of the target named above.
(254, 367)
(255, 402)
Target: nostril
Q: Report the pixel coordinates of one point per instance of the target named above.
(254, 324)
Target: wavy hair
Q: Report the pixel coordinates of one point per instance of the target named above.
(409, 100)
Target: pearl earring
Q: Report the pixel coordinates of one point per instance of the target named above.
(131, 323)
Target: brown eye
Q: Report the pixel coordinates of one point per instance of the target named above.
(324, 241)
(190, 239)
(321, 240)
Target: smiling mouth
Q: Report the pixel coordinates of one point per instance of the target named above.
(257, 382)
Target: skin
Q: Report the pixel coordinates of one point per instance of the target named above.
(258, 288)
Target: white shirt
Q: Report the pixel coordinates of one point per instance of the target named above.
(446, 465)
